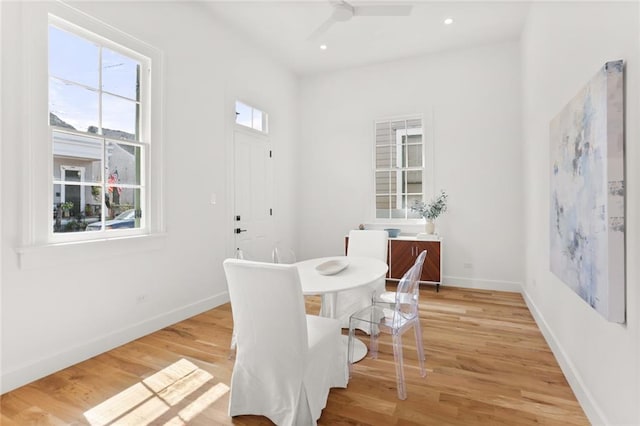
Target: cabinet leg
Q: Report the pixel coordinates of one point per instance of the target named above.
(437, 287)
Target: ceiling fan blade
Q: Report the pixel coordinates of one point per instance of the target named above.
(383, 10)
(319, 32)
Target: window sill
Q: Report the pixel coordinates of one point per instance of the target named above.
(407, 225)
(50, 255)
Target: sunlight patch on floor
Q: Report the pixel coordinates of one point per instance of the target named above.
(184, 387)
(144, 413)
(169, 375)
(117, 405)
(160, 396)
(205, 400)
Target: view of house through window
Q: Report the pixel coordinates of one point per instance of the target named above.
(95, 112)
(399, 166)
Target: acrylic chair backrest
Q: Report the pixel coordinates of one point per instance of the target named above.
(283, 255)
(403, 309)
(368, 243)
(240, 254)
(408, 291)
(417, 270)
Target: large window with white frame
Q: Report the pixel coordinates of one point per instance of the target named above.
(399, 166)
(98, 121)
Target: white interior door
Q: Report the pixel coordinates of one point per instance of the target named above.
(253, 183)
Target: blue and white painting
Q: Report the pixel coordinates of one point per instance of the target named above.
(587, 193)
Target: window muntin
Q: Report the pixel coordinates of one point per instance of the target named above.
(120, 74)
(399, 167)
(251, 117)
(95, 114)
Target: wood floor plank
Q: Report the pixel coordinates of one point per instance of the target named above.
(487, 364)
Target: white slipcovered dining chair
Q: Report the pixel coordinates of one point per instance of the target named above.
(286, 361)
(363, 243)
(394, 318)
(232, 347)
(279, 254)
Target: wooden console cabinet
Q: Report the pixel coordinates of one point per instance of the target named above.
(402, 253)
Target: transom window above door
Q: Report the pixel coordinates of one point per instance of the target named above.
(251, 117)
(400, 173)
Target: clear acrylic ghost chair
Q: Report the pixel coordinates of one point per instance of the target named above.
(239, 253)
(390, 296)
(394, 319)
(365, 243)
(286, 361)
(282, 254)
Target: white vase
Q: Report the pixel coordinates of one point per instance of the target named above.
(430, 226)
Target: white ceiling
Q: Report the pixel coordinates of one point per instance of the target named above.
(283, 28)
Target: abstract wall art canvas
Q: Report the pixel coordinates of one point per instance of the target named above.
(587, 225)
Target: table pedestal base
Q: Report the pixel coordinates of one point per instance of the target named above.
(359, 348)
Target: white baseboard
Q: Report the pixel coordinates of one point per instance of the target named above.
(584, 397)
(48, 364)
(481, 284)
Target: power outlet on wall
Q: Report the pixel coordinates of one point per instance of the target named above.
(142, 298)
(467, 265)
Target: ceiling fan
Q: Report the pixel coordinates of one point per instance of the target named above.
(343, 11)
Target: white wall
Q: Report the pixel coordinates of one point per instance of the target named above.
(55, 316)
(472, 100)
(563, 46)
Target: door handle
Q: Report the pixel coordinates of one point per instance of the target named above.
(238, 230)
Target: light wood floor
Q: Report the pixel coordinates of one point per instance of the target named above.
(487, 364)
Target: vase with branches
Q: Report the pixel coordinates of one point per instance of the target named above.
(431, 210)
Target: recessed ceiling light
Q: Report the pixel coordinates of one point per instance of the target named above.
(448, 21)
(323, 47)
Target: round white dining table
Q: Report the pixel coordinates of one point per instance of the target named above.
(360, 271)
